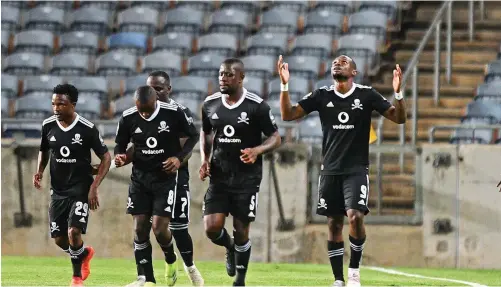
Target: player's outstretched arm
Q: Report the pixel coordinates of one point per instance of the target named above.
(397, 112)
(288, 111)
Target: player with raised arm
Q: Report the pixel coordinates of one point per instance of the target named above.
(231, 147)
(160, 81)
(154, 128)
(67, 139)
(345, 110)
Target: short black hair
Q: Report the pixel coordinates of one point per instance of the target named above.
(144, 94)
(233, 61)
(161, 74)
(69, 90)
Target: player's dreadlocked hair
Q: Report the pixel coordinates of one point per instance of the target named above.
(144, 93)
(161, 74)
(69, 90)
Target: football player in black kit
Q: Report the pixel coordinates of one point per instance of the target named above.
(233, 121)
(67, 139)
(154, 127)
(345, 110)
(160, 81)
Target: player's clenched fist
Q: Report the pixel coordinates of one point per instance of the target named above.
(171, 164)
(204, 170)
(249, 155)
(283, 70)
(37, 179)
(120, 160)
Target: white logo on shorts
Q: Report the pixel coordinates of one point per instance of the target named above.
(54, 227)
(322, 204)
(130, 204)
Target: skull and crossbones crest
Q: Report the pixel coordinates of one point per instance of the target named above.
(356, 105)
(322, 204)
(54, 227)
(243, 118)
(163, 127)
(77, 139)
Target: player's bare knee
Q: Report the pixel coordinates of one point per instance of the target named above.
(74, 233)
(160, 229)
(355, 218)
(61, 241)
(241, 231)
(335, 226)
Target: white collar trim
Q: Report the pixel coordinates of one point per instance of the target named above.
(235, 105)
(68, 128)
(341, 95)
(154, 115)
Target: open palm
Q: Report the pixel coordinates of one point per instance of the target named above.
(283, 70)
(397, 79)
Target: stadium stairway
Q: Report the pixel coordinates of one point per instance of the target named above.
(468, 65)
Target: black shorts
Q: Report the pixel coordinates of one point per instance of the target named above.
(68, 212)
(150, 196)
(181, 214)
(239, 201)
(338, 193)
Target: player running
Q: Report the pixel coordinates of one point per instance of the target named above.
(155, 129)
(67, 139)
(233, 121)
(345, 113)
(160, 81)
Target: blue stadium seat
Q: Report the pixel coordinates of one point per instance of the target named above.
(189, 87)
(133, 82)
(44, 18)
(325, 22)
(197, 5)
(259, 66)
(162, 60)
(89, 107)
(81, 42)
(91, 87)
(40, 85)
(179, 43)
(279, 20)
(298, 88)
(218, 43)
(34, 41)
(90, 19)
(368, 23)
(316, 45)
(70, 64)
(128, 42)
(116, 63)
(138, 19)
(24, 64)
(254, 85)
(205, 65)
(267, 44)
(230, 21)
(10, 18)
(9, 85)
(184, 20)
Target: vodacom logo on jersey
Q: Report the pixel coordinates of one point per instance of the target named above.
(343, 118)
(152, 143)
(229, 132)
(65, 153)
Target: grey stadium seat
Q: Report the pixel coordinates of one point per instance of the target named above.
(95, 87)
(298, 88)
(469, 136)
(279, 20)
(116, 63)
(104, 5)
(165, 61)
(259, 66)
(296, 6)
(248, 6)
(303, 66)
(40, 85)
(5, 42)
(34, 41)
(5, 105)
(483, 110)
(123, 104)
(138, 19)
(493, 71)
(218, 43)
(179, 43)
(335, 6)
(191, 87)
(368, 23)
(254, 85)
(34, 107)
(267, 44)
(324, 21)
(310, 129)
(206, 5)
(24, 64)
(44, 18)
(275, 111)
(389, 8)
(79, 42)
(157, 5)
(193, 105)
(9, 85)
(108, 131)
(133, 82)
(70, 64)
(184, 20)
(64, 5)
(316, 45)
(230, 21)
(10, 18)
(359, 45)
(91, 19)
(89, 107)
(205, 65)
(490, 90)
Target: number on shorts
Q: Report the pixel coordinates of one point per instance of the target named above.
(363, 190)
(170, 199)
(252, 204)
(81, 207)
(185, 202)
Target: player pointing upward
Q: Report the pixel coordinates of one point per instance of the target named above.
(345, 113)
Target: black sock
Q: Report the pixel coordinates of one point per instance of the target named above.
(224, 239)
(77, 254)
(170, 256)
(357, 247)
(336, 252)
(242, 256)
(142, 252)
(140, 270)
(185, 245)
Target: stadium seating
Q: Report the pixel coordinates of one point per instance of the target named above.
(10, 19)
(81, 42)
(70, 64)
(190, 87)
(179, 43)
(40, 85)
(44, 18)
(90, 19)
(163, 60)
(91, 87)
(9, 86)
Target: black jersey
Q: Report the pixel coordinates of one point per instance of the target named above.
(236, 127)
(346, 123)
(155, 139)
(70, 158)
(184, 173)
